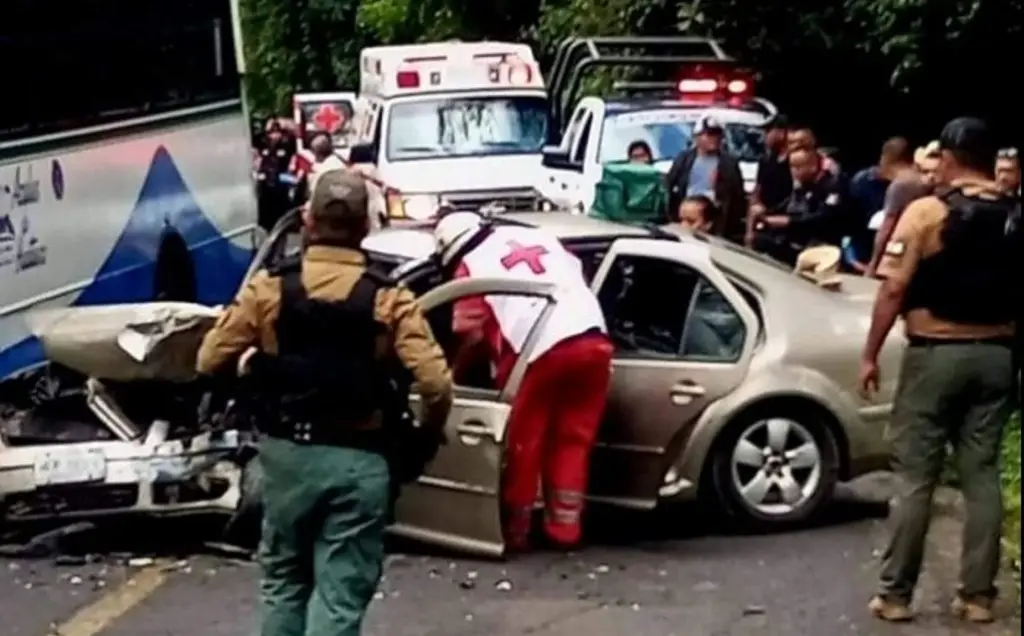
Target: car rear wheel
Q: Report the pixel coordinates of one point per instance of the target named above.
(774, 469)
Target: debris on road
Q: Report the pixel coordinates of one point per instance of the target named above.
(46, 545)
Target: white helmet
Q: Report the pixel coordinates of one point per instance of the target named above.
(453, 231)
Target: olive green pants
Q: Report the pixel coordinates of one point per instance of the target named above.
(959, 395)
(322, 550)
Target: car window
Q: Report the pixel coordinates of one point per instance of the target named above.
(657, 308)
(473, 365)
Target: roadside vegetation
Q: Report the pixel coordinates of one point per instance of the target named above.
(1011, 492)
(904, 54)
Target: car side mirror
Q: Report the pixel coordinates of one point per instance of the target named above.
(362, 153)
(554, 157)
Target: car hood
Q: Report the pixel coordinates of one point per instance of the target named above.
(401, 243)
(459, 174)
(143, 341)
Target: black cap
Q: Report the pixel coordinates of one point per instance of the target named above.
(971, 138)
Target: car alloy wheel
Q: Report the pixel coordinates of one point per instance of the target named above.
(773, 468)
(776, 466)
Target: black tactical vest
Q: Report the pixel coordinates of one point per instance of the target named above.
(975, 278)
(331, 373)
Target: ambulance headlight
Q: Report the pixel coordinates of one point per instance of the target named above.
(420, 207)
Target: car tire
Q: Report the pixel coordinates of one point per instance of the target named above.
(800, 462)
(174, 278)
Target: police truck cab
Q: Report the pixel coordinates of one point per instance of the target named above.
(596, 131)
(458, 123)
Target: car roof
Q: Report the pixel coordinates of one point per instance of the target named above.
(756, 269)
(568, 227)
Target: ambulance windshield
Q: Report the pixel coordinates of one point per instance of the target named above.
(670, 131)
(467, 127)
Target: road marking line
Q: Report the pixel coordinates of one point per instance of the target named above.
(97, 616)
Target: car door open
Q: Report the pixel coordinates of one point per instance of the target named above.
(456, 504)
(665, 374)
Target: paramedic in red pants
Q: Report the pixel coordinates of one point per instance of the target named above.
(557, 409)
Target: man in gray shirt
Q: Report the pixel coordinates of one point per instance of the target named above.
(906, 187)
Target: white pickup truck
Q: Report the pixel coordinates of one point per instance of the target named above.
(601, 132)
(661, 114)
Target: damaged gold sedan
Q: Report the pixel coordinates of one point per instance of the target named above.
(734, 382)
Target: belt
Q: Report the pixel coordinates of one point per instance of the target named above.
(926, 341)
(337, 435)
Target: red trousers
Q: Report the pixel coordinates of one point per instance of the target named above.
(554, 421)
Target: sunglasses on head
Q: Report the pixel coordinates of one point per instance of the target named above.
(1007, 153)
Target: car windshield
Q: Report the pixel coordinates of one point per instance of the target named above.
(670, 131)
(467, 127)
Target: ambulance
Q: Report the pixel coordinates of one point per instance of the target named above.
(313, 113)
(461, 124)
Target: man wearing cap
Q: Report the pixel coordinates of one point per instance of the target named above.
(706, 169)
(318, 337)
(1008, 170)
(950, 269)
(926, 161)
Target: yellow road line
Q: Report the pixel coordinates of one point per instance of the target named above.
(97, 616)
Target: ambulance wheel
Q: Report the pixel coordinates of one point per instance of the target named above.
(175, 275)
(774, 467)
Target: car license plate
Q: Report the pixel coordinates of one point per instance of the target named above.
(70, 466)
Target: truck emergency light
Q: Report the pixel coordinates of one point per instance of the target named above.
(714, 83)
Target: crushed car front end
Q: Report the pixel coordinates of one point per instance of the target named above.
(132, 443)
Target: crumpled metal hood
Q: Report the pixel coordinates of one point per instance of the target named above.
(142, 341)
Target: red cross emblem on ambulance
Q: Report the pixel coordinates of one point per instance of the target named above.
(328, 118)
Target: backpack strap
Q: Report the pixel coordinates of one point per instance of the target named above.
(293, 293)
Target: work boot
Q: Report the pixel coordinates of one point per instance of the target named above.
(890, 611)
(972, 611)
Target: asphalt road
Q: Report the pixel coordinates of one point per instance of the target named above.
(667, 574)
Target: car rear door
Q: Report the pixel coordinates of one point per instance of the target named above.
(659, 391)
(456, 503)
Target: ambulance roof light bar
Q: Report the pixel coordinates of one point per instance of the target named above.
(574, 56)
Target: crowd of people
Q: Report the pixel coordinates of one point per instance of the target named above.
(321, 337)
(803, 197)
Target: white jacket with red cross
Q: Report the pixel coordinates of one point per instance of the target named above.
(507, 320)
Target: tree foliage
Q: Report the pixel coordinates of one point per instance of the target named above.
(888, 60)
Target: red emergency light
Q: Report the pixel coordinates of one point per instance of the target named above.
(408, 79)
(716, 83)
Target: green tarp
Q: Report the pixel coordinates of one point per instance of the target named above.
(632, 193)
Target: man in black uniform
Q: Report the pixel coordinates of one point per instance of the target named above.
(319, 338)
(951, 268)
(273, 186)
(812, 215)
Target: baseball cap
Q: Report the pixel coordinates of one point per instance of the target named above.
(707, 123)
(338, 195)
(969, 135)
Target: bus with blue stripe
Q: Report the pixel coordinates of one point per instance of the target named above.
(125, 159)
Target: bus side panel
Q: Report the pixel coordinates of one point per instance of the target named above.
(88, 221)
